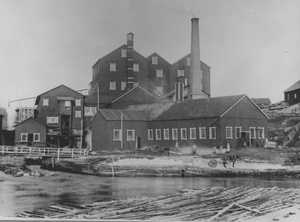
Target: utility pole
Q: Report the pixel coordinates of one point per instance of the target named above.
(122, 130)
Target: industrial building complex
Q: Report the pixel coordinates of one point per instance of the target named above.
(136, 101)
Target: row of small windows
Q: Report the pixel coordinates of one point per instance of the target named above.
(182, 133)
(113, 67)
(254, 132)
(113, 85)
(117, 135)
(67, 102)
(36, 137)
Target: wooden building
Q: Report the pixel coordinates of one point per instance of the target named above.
(292, 94)
(218, 121)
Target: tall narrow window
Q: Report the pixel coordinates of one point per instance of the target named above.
(112, 67)
(260, 132)
(193, 133)
(154, 60)
(174, 134)
(112, 85)
(157, 134)
(150, 134)
(228, 132)
(183, 134)
(202, 132)
(24, 137)
(252, 132)
(67, 103)
(77, 113)
(117, 134)
(238, 132)
(180, 72)
(45, 102)
(159, 73)
(123, 53)
(78, 102)
(130, 135)
(212, 133)
(166, 134)
(136, 67)
(36, 137)
(123, 85)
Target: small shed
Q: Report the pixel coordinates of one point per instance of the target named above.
(30, 132)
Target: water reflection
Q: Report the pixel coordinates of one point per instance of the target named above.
(28, 193)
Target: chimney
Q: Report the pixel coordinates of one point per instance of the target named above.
(196, 75)
(131, 76)
(179, 90)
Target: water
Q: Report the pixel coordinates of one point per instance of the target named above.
(27, 193)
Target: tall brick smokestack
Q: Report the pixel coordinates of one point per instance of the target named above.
(196, 87)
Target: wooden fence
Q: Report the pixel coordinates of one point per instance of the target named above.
(43, 152)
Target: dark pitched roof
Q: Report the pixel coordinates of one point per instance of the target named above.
(62, 85)
(115, 114)
(93, 99)
(211, 107)
(31, 119)
(293, 87)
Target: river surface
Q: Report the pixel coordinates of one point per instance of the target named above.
(27, 193)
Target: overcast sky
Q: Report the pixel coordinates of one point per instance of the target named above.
(252, 46)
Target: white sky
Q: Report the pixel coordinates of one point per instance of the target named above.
(252, 46)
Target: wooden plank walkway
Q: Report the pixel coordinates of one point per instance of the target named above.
(43, 152)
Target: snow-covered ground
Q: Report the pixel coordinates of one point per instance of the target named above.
(196, 162)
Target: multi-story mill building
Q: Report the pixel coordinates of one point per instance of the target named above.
(122, 69)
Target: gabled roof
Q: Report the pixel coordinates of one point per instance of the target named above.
(184, 57)
(55, 88)
(31, 119)
(116, 114)
(137, 87)
(204, 108)
(156, 54)
(293, 87)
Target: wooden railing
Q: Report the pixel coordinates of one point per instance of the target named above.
(43, 151)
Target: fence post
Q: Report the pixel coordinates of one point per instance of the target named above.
(72, 153)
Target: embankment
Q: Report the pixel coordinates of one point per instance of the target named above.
(171, 167)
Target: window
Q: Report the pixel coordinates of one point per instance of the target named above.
(130, 135)
(36, 137)
(183, 135)
(24, 137)
(123, 53)
(252, 133)
(186, 82)
(260, 132)
(158, 134)
(52, 119)
(150, 134)
(136, 67)
(67, 103)
(166, 134)
(202, 132)
(180, 72)
(159, 73)
(174, 134)
(154, 60)
(159, 90)
(212, 133)
(228, 132)
(295, 95)
(123, 85)
(188, 61)
(112, 85)
(46, 102)
(238, 131)
(117, 135)
(77, 113)
(90, 110)
(78, 102)
(193, 133)
(112, 67)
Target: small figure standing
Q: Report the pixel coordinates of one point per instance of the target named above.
(224, 159)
